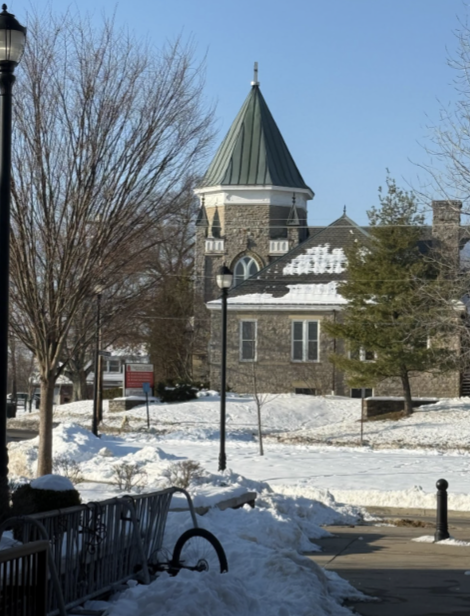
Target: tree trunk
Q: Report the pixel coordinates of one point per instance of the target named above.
(45, 426)
(79, 391)
(405, 381)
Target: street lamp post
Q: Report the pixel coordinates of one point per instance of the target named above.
(97, 369)
(12, 42)
(224, 282)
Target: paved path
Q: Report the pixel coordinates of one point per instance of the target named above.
(20, 434)
(409, 578)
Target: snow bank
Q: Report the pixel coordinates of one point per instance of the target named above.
(69, 441)
(259, 583)
(267, 574)
(52, 482)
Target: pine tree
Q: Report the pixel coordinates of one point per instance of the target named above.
(391, 322)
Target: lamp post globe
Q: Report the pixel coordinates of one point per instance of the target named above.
(12, 39)
(224, 278)
(224, 282)
(12, 43)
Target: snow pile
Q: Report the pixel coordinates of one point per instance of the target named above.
(70, 441)
(201, 417)
(267, 574)
(302, 452)
(300, 486)
(52, 482)
(317, 260)
(451, 541)
(443, 425)
(260, 582)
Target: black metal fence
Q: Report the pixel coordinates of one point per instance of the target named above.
(23, 576)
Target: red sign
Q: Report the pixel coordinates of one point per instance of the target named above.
(138, 374)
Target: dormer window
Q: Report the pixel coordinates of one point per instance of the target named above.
(244, 269)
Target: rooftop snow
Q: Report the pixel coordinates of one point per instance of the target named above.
(318, 260)
(322, 294)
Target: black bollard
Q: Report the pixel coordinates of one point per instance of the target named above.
(441, 520)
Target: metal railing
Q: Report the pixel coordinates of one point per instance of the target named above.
(23, 579)
(97, 546)
(151, 511)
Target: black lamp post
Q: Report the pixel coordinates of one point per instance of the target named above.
(97, 379)
(12, 42)
(224, 282)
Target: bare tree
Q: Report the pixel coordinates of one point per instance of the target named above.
(105, 128)
(168, 316)
(448, 145)
(448, 177)
(261, 399)
(20, 366)
(121, 326)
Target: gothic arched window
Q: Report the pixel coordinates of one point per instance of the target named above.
(244, 268)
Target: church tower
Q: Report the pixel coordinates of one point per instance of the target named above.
(253, 200)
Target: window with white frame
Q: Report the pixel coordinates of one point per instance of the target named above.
(363, 355)
(113, 365)
(243, 269)
(248, 330)
(305, 335)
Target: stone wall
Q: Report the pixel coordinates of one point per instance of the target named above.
(373, 407)
(425, 384)
(124, 404)
(247, 229)
(275, 372)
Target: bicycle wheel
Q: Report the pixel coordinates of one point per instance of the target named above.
(199, 550)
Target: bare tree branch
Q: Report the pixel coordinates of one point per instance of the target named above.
(105, 129)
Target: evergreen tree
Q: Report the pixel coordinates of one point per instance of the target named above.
(391, 324)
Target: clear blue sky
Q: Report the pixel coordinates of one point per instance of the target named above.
(352, 84)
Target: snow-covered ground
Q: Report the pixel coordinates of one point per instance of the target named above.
(314, 472)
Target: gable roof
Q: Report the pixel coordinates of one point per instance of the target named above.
(254, 152)
(306, 275)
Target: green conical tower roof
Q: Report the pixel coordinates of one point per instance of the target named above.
(254, 152)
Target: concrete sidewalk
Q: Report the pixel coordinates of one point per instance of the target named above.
(409, 578)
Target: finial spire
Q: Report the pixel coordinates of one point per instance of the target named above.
(293, 199)
(255, 81)
(344, 211)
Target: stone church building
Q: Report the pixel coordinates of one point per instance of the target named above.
(253, 218)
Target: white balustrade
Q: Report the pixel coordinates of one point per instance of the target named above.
(215, 245)
(278, 247)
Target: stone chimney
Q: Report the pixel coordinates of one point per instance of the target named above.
(446, 230)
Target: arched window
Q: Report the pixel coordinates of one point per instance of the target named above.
(244, 268)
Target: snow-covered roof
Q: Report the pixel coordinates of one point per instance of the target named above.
(318, 260)
(298, 294)
(308, 275)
